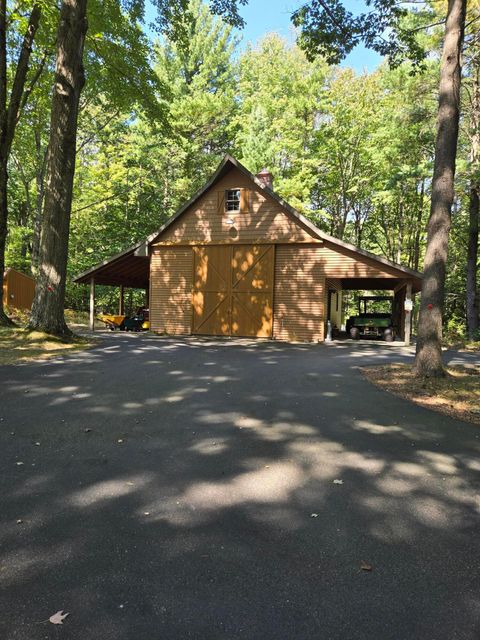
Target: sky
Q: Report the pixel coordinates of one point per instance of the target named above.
(266, 16)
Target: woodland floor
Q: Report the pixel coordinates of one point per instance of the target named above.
(457, 394)
(20, 345)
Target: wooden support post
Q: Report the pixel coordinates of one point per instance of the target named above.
(408, 314)
(121, 304)
(92, 305)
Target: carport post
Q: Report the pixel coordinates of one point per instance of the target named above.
(408, 314)
(92, 305)
(121, 304)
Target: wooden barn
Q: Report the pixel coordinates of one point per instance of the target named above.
(237, 260)
(18, 290)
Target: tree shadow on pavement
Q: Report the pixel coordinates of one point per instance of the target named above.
(163, 488)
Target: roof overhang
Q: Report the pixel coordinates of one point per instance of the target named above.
(125, 269)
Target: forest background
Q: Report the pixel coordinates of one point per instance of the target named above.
(351, 151)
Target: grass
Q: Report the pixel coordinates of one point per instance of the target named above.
(76, 319)
(20, 345)
(457, 394)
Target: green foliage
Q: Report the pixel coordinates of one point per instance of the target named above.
(328, 29)
(280, 97)
(351, 151)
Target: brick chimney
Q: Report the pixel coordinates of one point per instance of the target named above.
(265, 178)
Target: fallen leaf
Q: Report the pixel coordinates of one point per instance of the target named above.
(336, 481)
(58, 617)
(364, 566)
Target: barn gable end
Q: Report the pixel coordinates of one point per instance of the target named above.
(264, 220)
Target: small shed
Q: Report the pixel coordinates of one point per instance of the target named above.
(237, 260)
(18, 290)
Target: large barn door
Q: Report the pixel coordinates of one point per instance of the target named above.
(252, 290)
(211, 291)
(233, 290)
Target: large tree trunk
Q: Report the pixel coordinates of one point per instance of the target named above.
(472, 265)
(9, 116)
(428, 360)
(48, 306)
(474, 214)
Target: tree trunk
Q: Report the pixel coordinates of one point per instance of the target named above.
(418, 229)
(40, 158)
(48, 306)
(9, 115)
(474, 215)
(472, 265)
(428, 359)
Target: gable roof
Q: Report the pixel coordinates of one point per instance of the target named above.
(141, 249)
(225, 166)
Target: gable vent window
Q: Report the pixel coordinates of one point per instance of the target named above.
(232, 200)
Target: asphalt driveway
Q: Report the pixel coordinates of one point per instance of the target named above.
(167, 489)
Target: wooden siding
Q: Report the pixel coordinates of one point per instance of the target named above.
(264, 222)
(171, 275)
(338, 262)
(299, 297)
(18, 290)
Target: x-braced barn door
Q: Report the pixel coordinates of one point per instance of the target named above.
(233, 290)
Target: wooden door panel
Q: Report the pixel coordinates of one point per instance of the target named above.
(252, 268)
(211, 313)
(211, 269)
(252, 314)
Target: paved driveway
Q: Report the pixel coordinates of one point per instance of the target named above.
(172, 489)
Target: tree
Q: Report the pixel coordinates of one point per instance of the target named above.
(328, 28)
(47, 310)
(281, 99)
(13, 101)
(428, 359)
(472, 87)
(174, 19)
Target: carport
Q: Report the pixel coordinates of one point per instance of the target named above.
(402, 289)
(124, 270)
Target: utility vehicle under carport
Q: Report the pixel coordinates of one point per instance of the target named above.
(374, 319)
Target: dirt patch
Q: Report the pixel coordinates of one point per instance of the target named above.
(20, 345)
(457, 394)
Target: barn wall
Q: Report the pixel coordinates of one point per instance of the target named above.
(18, 290)
(299, 290)
(264, 222)
(299, 297)
(171, 275)
(339, 262)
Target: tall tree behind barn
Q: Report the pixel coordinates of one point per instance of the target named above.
(10, 110)
(48, 305)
